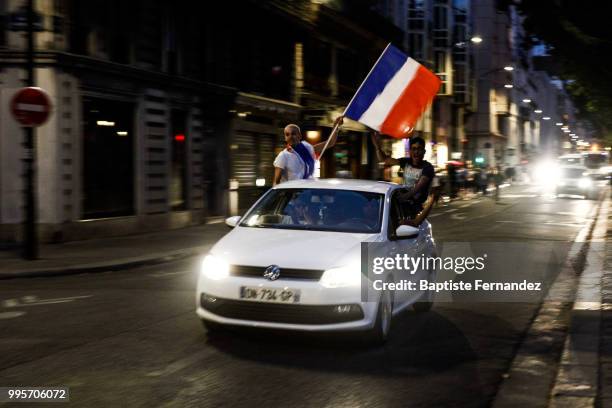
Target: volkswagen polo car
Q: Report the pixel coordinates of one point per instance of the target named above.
(293, 260)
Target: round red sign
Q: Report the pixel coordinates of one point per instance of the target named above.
(31, 106)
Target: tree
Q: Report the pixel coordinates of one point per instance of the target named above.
(580, 38)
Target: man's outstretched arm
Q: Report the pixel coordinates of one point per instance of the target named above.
(380, 154)
(332, 138)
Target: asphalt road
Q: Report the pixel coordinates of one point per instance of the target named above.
(131, 338)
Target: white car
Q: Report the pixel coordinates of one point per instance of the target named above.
(293, 260)
(577, 180)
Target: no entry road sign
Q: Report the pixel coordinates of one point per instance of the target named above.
(31, 106)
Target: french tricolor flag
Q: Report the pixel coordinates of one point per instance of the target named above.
(394, 94)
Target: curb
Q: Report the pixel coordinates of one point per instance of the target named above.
(534, 371)
(125, 263)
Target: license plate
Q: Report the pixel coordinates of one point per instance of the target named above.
(276, 295)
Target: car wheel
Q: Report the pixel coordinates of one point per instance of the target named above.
(379, 334)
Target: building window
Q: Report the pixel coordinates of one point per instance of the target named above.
(108, 158)
(440, 67)
(178, 175)
(415, 46)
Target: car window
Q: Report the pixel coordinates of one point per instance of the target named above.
(396, 212)
(317, 209)
(595, 160)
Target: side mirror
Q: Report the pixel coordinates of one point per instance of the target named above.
(406, 231)
(232, 221)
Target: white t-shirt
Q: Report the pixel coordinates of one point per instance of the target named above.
(292, 164)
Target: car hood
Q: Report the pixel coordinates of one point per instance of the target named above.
(290, 248)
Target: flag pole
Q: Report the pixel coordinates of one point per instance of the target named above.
(351, 101)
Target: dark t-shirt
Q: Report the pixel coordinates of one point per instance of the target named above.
(413, 174)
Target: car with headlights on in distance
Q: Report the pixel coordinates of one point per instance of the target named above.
(576, 180)
(293, 260)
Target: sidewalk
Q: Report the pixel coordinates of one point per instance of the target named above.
(112, 253)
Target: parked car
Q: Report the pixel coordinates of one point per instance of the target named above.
(293, 260)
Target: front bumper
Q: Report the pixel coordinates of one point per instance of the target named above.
(320, 308)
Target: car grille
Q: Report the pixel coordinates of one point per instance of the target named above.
(286, 273)
(281, 313)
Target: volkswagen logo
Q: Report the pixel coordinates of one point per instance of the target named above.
(272, 272)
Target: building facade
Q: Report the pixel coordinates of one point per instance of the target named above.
(168, 112)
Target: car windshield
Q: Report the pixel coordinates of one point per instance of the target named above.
(595, 161)
(317, 209)
(572, 173)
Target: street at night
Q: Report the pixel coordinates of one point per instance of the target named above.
(305, 203)
(132, 338)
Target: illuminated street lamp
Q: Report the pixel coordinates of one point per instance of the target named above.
(509, 86)
(508, 68)
(559, 124)
(546, 118)
(527, 100)
(538, 111)
(476, 39)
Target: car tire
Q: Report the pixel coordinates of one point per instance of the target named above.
(378, 335)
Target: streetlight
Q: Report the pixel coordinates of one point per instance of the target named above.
(538, 111)
(509, 86)
(527, 100)
(546, 118)
(476, 39)
(508, 68)
(559, 124)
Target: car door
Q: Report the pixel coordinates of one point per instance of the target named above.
(412, 247)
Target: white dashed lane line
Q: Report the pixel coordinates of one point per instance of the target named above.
(10, 315)
(164, 274)
(35, 301)
(31, 300)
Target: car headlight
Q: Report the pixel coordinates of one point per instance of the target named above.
(214, 268)
(349, 275)
(584, 182)
(547, 172)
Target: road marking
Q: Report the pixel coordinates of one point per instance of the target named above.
(465, 205)
(434, 215)
(563, 224)
(451, 210)
(10, 302)
(222, 220)
(519, 195)
(458, 216)
(510, 222)
(10, 315)
(35, 301)
(162, 274)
